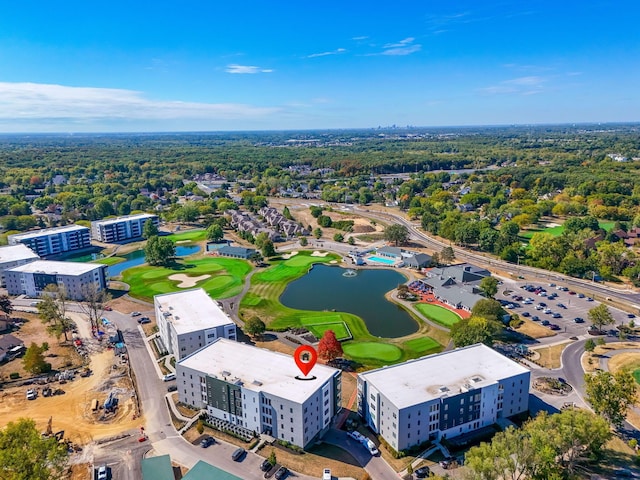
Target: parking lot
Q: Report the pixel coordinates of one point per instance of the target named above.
(554, 306)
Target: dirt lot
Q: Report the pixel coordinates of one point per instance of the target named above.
(71, 411)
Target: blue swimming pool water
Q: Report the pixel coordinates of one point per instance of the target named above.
(386, 261)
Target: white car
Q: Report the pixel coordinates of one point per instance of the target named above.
(356, 435)
(31, 394)
(168, 377)
(371, 447)
(326, 474)
(102, 473)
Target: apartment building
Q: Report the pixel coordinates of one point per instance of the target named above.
(75, 277)
(119, 229)
(53, 241)
(190, 319)
(253, 390)
(14, 256)
(442, 395)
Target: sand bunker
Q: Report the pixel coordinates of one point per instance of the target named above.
(186, 281)
(289, 255)
(319, 254)
(334, 261)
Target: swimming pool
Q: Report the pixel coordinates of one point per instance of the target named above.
(386, 261)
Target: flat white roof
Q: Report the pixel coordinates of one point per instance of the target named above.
(258, 369)
(446, 373)
(126, 218)
(52, 267)
(49, 231)
(191, 310)
(13, 253)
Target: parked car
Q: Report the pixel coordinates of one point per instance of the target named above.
(589, 299)
(238, 454)
(535, 318)
(371, 447)
(143, 320)
(206, 441)
(556, 315)
(553, 326)
(172, 388)
(422, 472)
(326, 474)
(265, 466)
(168, 377)
(281, 473)
(578, 320)
(31, 394)
(631, 315)
(102, 473)
(108, 308)
(135, 314)
(526, 314)
(581, 295)
(546, 322)
(547, 311)
(562, 305)
(33, 304)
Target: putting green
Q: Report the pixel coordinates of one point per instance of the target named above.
(319, 325)
(371, 350)
(192, 235)
(422, 345)
(438, 314)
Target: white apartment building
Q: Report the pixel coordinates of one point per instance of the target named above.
(189, 320)
(31, 279)
(120, 229)
(53, 241)
(442, 395)
(14, 256)
(256, 390)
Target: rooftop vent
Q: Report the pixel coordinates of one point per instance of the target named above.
(257, 383)
(476, 379)
(443, 389)
(226, 373)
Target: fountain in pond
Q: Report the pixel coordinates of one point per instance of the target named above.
(349, 273)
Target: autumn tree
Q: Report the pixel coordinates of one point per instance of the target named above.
(26, 454)
(600, 316)
(254, 327)
(95, 299)
(396, 233)
(329, 347)
(611, 394)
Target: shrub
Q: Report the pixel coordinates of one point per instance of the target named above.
(14, 375)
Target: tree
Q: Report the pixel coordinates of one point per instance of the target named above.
(338, 237)
(488, 308)
(589, 345)
(268, 250)
(286, 213)
(489, 286)
(303, 241)
(200, 427)
(600, 316)
(159, 251)
(329, 347)
(33, 360)
(261, 239)
(149, 229)
(26, 454)
(272, 458)
(52, 310)
(95, 299)
(396, 233)
(469, 331)
(447, 255)
(5, 304)
(254, 327)
(317, 233)
(315, 211)
(611, 394)
(215, 233)
(410, 470)
(325, 221)
(351, 241)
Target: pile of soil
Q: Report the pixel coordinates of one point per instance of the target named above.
(552, 386)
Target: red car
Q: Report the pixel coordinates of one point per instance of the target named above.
(108, 308)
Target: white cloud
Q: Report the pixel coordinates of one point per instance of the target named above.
(403, 47)
(35, 101)
(358, 39)
(246, 69)
(530, 85)
(324, 54)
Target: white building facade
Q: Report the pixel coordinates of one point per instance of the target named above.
(120, 229)
(442, 396)
(190, 319)
(75, 277)
(256, 390)
(53, 241)
(14, 256)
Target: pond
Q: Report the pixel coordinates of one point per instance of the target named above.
(362, 294)
(135, 258)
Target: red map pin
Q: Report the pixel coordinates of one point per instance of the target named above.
(306, 358)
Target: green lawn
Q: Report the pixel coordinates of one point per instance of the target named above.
(227, 277)
(110, 260)
(334, 322)
(373, 352)
(557, 230)
(189, 235)
(423, 345)
(438, 314)
(636, 375)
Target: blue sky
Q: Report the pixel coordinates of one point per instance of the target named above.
(208, 65)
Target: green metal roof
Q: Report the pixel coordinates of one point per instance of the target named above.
(204, 471)
(157, 468)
